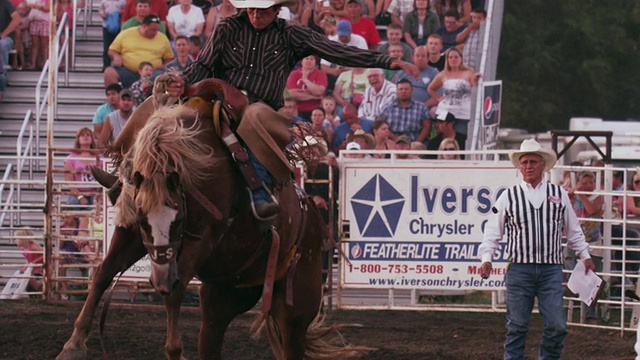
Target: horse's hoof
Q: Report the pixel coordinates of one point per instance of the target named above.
(72, 354)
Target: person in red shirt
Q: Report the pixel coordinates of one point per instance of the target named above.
(307, 85)
(361, 25)
(158, 7)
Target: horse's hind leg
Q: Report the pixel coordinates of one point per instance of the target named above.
(220, 305)
(126, 248)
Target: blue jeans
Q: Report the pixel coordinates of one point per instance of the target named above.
(525, 282)
(260, 196)
(6, 45)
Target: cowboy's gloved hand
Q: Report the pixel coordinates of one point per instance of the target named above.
(165, 89)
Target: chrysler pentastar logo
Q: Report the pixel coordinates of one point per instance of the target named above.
(377, 207)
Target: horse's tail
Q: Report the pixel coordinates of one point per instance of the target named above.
(322, 341)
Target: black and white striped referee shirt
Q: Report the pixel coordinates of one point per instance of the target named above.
(533, 220)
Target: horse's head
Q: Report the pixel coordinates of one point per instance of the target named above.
(160, 213)
(167, 157)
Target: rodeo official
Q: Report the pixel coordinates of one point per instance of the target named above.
(533, 215)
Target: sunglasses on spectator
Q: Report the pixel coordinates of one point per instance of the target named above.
(449, 149)
(636, 182)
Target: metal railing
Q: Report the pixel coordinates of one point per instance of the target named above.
(42, 99)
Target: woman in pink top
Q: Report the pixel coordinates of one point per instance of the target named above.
(77, 167)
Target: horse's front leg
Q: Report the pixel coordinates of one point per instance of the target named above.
(172, 303)
(126, 248)
(220, 304)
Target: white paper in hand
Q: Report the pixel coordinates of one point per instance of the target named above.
(586, 286)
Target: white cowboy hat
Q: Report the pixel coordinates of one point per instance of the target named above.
(530, 146)
(258, 4)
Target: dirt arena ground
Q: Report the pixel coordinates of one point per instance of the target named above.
(32, 329)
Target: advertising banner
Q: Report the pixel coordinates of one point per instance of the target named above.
(420, 225)
(491, 112)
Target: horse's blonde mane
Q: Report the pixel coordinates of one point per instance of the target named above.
(165, 145)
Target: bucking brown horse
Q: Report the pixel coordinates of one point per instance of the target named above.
(184, 202)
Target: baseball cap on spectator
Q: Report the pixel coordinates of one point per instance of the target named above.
(445, 116)
(125, 93)
(353, 146)
(403, 139)
(353, 1)
(343, 28)
(151, 19)
(113, 87)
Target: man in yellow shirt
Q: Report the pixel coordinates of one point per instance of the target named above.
(134, 45)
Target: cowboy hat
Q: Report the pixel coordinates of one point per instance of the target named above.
(371, 141)
(259, 4)
(530, 146)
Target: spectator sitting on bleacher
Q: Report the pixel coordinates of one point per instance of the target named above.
(421, 84)
(312, 16)
(329, 26)
(110, 11)
(77, 167)
(142, 88)
(382, 136)
(194, 47)
(403, 143)
(34, 254)
(67, 230)
(396, 51)
(182, 60)
(351, 123)
(450, 30)
(419, 24)
(307, 85)
(113, 103)
(142, 10)
(361, 25)
(185, 19)
(471, 38)
(350, 87)
(434, 51)
(337, 8)
(9, 21)
(394, 37)
(290, 109)
(115, 121)
(378, 94)
(157, 7)
(135, 45)
(343, 35)
(22, 38)
(39, 31)
(445, 124)
(407, 116)
(398, 9)
(216, 14)
(331, 118)
(461, 9)
(317, 128)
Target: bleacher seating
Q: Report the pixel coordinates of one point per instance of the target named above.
(77, 101)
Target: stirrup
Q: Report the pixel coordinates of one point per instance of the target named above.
(253, 204)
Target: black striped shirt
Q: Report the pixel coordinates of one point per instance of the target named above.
(259, 61)
(533, 221)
